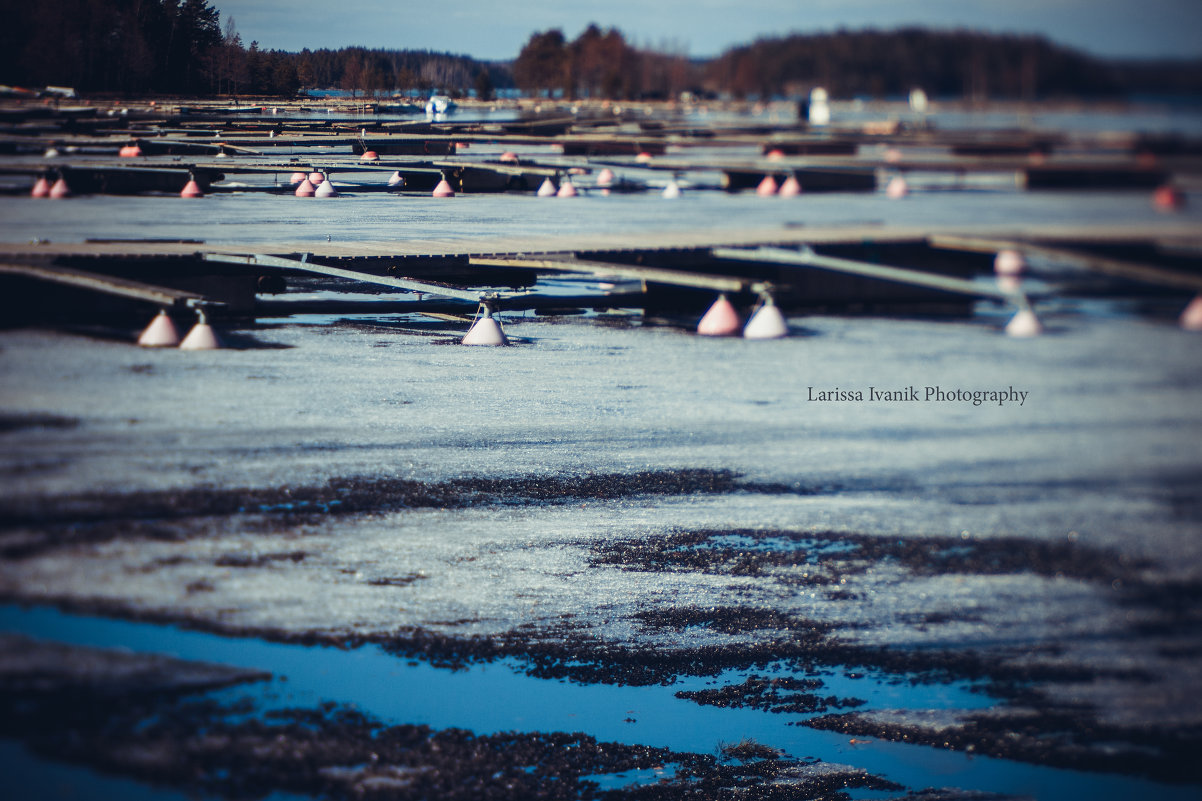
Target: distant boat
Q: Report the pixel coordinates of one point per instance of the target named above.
(439, 104)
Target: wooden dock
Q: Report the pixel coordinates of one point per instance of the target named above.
(839, 267)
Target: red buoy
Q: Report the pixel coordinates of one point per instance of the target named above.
(791, 187)
(1168, 198)
(191, 189)
(60, 189)
(41, 187)
(443, 189)
(370, 155)
(304, 188)
(509, 157)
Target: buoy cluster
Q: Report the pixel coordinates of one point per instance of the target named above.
(723, 320)
(162, 333)
(44, 186)
(768, 187)
(314, 184)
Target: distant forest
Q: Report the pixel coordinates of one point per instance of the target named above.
(181, 47)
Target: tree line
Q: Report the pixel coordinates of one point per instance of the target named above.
(943, 63)
(180, 47)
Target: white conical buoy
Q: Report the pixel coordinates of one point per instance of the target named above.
(443, 189)
(201, 337)
(1191, 318)
(161, 333)
(325, 189)
(766, 323)
(485, 331)
(1009, 262)
(397, 180)
(897, 188)
(721, 320)
(546, 189)
(1024, 324)
(605, 178)
(566, 189)
(767, 187)
(672, 190)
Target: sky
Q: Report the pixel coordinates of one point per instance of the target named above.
(494, 29)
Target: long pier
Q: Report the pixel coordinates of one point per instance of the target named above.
(800, 268)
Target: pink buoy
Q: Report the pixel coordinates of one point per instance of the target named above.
(297, 177)
(130, 151)
(791, 187)
(315, 178)
(1168, 198)
(566, 189)
(325, 189)
(161, 333)
(1024, 324)
(60, 189)
(397, 179)
(1009, 262)
(304, 188)
(41, 188)
(370, 155)
(721, 320)
(485, 331)
(767, 187)
(546, 189)
(509, 157)
(191, 189)
(443, 189)
(775, 154)
(897, 188)
(605, 177)
(1191, 318)
(766, 322)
